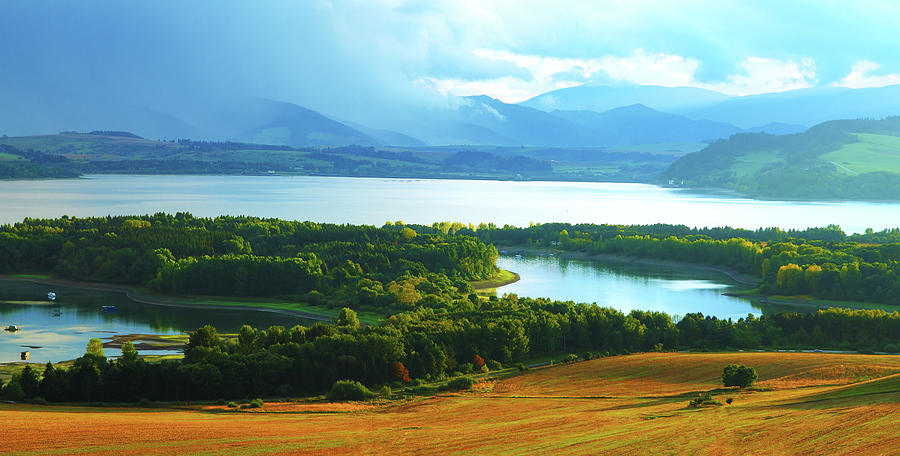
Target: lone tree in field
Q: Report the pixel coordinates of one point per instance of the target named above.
(735, 375)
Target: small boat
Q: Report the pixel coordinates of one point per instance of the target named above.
(12, 328)
(108, 308)
(51, 296)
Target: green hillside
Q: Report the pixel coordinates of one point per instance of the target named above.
(125, 153)
(843, 159)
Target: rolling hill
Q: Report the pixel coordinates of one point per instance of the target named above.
(604, 98)
(638, 124)
(804, 106)
(806, 403)
(842, 159)
(278, 123)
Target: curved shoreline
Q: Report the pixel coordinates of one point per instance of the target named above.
(156, 300)
(735, 276)
(482, 285)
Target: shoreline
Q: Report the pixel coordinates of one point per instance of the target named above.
(734, 276)
(157, 300)
(491, 284)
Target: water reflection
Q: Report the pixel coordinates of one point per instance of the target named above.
(626, 285)
(373, 201)
(60, 331)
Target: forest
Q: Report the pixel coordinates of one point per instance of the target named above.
(820, 262)
(464, 336)
(385, 269)
(435, 326)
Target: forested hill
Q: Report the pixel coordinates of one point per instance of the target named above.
(841, 159)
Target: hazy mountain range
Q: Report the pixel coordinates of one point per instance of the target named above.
(583, 116)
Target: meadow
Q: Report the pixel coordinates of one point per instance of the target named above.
(872, 153)
(803, 403)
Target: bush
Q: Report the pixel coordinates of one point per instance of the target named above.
(587, 356)
(232, 404)
(256, 403)
(703, 399)
(570, 358)
(729, 400)
(349, 390)
(891, 348)
(461, 383)
(477, 362)
(465, 368)
(493, 365)
(521, 367)
(738, 375)
(384, 391)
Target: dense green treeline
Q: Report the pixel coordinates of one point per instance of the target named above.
(438, 327)
(466, 335)
(391, 268)
(822, 262)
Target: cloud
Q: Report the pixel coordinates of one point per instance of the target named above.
(763, 75)
(509, 89)
(756, 74)
(859, 77)
(552, 73)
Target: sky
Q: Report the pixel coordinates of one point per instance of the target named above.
(355, 59)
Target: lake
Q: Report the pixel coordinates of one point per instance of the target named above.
(374, 201)
(61, 330)
(626, 285)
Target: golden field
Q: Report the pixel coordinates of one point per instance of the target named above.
(804, 403)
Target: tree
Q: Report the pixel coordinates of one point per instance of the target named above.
(247, 338)
(129, 353)
(207, 336)
(789, 279)
(30, 381)
(477, 362)
(347, 317)
(53, 386)
(399, 372)
(738, 375)
(95, 347)
(13, 390)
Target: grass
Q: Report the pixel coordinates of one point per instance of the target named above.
(633, 404)
(10, 157)
(503, 277)
(806, 301)
(750, 163)
(872, 153)
(321, 312)
(145, 295)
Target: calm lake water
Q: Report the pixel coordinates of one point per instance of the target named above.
(374, 201)
(60, 331)
(626, 286)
